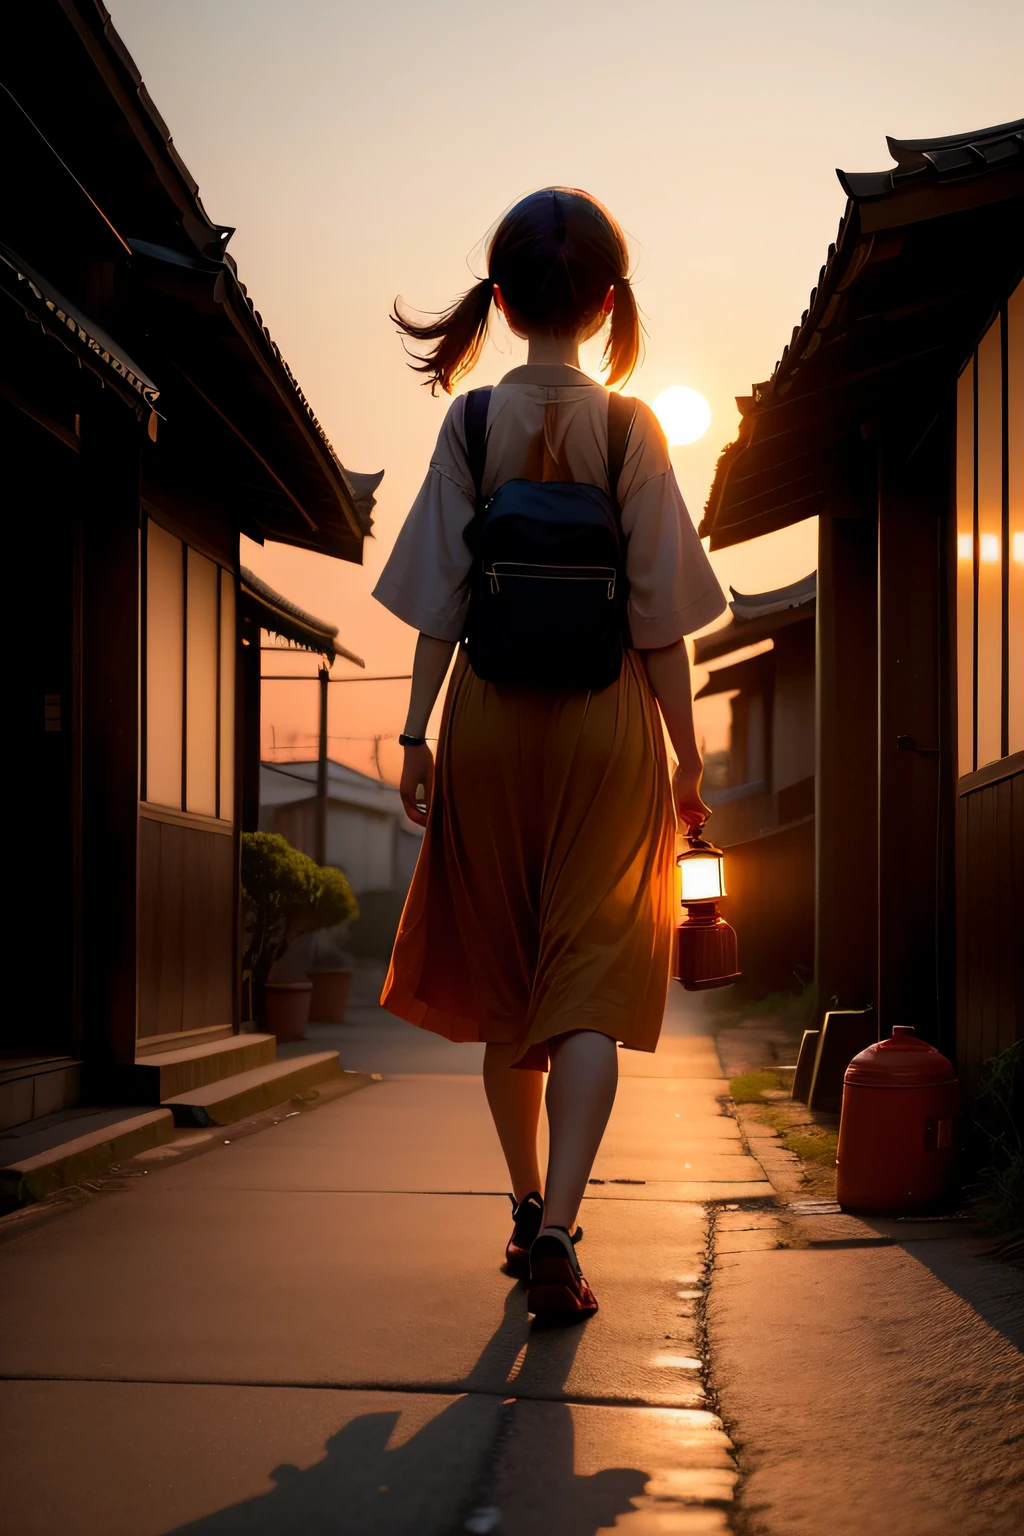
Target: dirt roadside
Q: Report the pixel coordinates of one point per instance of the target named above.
(868, 1371)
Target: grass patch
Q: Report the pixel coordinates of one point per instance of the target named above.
(778, 1119)
(813, 1146)
(810, 1143)
(749, 1086)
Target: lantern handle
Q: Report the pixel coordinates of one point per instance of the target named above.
(697, 841)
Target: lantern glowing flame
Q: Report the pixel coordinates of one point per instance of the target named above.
(702, 876)
(705, 947)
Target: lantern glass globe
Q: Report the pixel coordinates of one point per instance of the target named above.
(702, 876)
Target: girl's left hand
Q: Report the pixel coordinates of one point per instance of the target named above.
(690, 808)
(417, 772)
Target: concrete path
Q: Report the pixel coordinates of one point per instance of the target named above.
(308, 1330)
(871, 1374)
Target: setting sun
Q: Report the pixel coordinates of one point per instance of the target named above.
(684, 414)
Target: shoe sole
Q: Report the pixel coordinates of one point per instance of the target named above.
(552, 1296)
(557, 1301)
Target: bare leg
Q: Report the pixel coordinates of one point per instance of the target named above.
(581, 1091)
(514, 1096)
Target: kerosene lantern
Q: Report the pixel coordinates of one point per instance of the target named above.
(705, 946)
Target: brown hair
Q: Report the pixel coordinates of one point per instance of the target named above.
(554, 255)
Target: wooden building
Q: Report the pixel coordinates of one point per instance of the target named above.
(896, 416)
(761, 788)
(148, 419)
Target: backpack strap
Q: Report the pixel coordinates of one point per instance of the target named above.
(621, 414)
(477, 404)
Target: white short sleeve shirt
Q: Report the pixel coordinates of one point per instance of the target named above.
(550, 423)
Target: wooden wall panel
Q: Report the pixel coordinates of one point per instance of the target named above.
(915, 801)
(770, 881)
(990, 901)
(187, 924)
(846, 771)
(109, 586)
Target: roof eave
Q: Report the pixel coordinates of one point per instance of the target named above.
(92, 22)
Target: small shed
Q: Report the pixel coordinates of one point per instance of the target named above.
(896, 416)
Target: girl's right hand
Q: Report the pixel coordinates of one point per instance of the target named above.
(417, 783)
(690, 808)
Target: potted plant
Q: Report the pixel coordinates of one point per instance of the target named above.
(330, 971)
(284, 894)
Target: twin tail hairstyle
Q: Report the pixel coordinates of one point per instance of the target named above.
(554, 255)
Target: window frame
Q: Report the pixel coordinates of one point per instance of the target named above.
(225, 648)
(970, 700)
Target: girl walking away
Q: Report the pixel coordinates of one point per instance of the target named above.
(551, 545)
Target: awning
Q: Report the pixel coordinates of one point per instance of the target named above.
(82, 336)
(282, 617)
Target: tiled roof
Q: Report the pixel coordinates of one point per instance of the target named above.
(922, 254)
(282, 617)
(757, 605)
(208, 240)
(758, 616)
(921, 165)
(362, 503)
(923, 160)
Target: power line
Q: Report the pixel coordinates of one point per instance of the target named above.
(294, 677)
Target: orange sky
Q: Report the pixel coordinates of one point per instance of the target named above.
(363, 151)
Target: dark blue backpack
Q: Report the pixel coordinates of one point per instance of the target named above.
(548, 590)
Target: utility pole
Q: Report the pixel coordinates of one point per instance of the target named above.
(323, 677)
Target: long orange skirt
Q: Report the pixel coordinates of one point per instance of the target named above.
(542, 898)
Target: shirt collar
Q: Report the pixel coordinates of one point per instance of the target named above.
(551, 376)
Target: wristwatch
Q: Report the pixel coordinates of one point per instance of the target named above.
(411, 741)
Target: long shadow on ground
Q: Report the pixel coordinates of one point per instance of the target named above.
(362, 1487)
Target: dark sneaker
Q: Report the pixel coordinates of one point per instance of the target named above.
(558, 1291)
(527, 1220)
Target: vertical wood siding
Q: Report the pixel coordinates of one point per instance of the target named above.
(186, 928)
(770, 881)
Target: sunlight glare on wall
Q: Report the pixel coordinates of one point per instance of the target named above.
(226, 806)
(1015, 477)
(965, 568)
(164, 666)
(990, 518)
(201, 647)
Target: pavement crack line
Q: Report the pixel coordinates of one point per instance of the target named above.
(735, 1514)
(463, 1388)
(479, 1511)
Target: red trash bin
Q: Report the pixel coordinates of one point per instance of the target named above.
(896, 1152)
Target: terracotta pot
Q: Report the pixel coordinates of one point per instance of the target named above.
(330, 996)
(288, 1008)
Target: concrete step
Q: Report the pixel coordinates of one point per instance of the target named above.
(80, 1157)
(246, 1093)
(167, 1074)
(33, 1086)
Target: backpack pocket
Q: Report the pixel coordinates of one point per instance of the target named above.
(549, 589)
(546, 626)
(519, 570)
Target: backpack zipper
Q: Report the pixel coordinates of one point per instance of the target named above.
(510, 568)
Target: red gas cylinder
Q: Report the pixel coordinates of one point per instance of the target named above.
(900, 1098)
